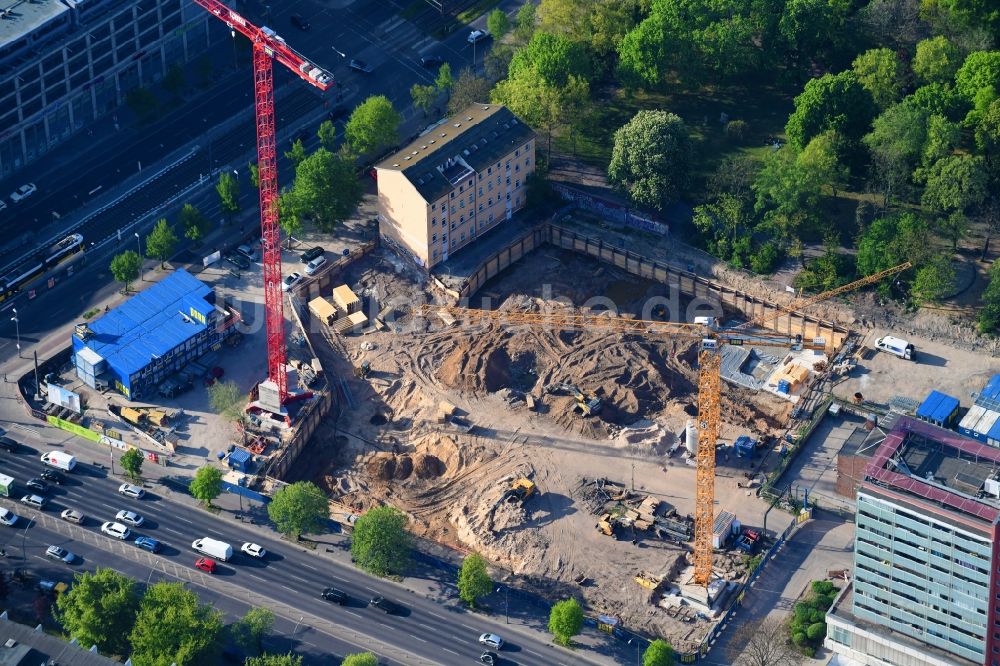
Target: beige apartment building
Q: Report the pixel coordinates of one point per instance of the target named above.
(456, 181)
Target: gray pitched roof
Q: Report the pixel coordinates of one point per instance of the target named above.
(478, 137)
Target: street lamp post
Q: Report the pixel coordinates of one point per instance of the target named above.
(138, 244)
(637, 644)
(506, 603)
(17, 330)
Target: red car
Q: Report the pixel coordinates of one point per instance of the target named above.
(205, 564)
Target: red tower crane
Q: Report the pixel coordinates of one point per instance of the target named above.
(267, 46)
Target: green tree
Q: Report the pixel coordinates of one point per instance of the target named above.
(972, 13)
(989, 314)
(987, 136)
(195, 224)
(524, 22)
(808, 26)
(658, 653)
(955, 183)
(473, 579)
(300, 508)
(131, 462)
(289, 215)
(936, 60)
(889, 241)
(174, 81)
(444, 80)
(275, 660)
(173, 628)
(565, 621)
(643, 57)
(941, 99)
(569, 18)
(161, 241)
(721, 222)
(206, 484)
(610, 21)
(978, 81)
(821, 158)
(100, 609)
(254, 174)
(881, 73)
(380, 543)
(373, 126)
(651, 158)
(360, 659)
(833, 101)
(228, 189)
(497, 23)
(125, 268)
(249, 630)
(226, 399)
(554, 57)
(896, 142)
(468, 90)
(296, 153)
(326, 190)
(423, 97)
(497, 62)
(943, 136)
(541, 105)
(787, 193)
(934, 280)
(954, 228)
(327, 134)
(827, 271)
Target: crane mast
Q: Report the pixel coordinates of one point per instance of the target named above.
(268, 46)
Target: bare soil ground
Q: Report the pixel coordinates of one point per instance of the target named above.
(393, 448)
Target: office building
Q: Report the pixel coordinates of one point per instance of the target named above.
(926, 588)
(151, 336)
(65, 63)
(456, 181)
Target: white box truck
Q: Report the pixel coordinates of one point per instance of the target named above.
(59, 460)
(896, 346)
(219, 550)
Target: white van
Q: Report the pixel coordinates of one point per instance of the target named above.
(219, 550)
(896, 346)
(59, 460)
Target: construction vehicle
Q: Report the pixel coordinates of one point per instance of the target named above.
(520, 490)
(709, 377)
(587, 405)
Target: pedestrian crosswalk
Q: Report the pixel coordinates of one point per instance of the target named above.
(401, 32)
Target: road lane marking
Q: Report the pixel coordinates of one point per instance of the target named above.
(417, 638)
(449, 650)
(289, 589)
(350, 612)
(467, 626)
(256, 576)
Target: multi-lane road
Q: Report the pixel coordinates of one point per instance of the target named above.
(289, 580)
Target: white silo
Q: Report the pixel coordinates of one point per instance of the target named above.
(691, 438)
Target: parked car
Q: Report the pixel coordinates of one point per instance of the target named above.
(60, 554)
(491, 640)
(34, 501)
(254, 550)
(477, 36)
(148, 543)
(315, 265)
(129, 518)
(55, 477)
(237, 260)
(335, 595)
(23, 192)
(384, 605)
(128, 490)
(205, 564)
(290, 281)
(72, 515)
(116, 530)
(37, 485)
(311, 254)
(8, 517)
(299, 21)
(360, 66)
(247, 252)
(431, 61)
(8, 445)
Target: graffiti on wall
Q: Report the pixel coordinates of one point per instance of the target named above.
(610, 210)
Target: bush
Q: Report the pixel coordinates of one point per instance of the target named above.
(766, 259)
(800, 638)
(816, 632)
(737, 130)
(807, 625)
(823, 587)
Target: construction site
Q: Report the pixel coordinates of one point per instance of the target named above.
(566, 457)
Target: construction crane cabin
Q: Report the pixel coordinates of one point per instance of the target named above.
(268, 46)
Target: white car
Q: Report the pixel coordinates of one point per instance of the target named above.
(477, 36)
(72, 515)
(8, 517)
(116, 530)
(23, 192)
(491, 640)
(290, 281)
(315, 265)
(129, 518)
(60, 554)
(128, 490)
(254, 550)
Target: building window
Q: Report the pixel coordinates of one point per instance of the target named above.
(508, 180)
(472, 214)
(470, 199)
(434, 206)
(461, 220)
(517, 153)
(434, 238)
(491, 216)
(527, 161)
(498, 180)
(508, 165)
(490, 201)
(517, 168)
(435, 254)
(517, 184)
(489, 186)
(489, 172)
(452, 210)
(461, 204)
(434, 221)
(461, 188)
(481, 210)
(452, 195)
(470, 183)
(508, 196)
(480, 191)
(463, 238)
(444, 238)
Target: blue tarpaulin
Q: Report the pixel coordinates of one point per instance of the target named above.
(939, 409)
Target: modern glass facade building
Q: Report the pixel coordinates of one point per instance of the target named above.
(65, 63)
(925, 558)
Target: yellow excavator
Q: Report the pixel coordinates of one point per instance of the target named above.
(520, 490)
(588, 405)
